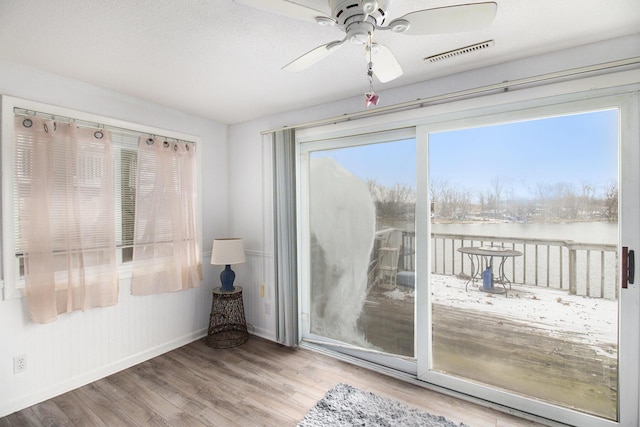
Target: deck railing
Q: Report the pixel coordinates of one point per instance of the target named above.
(580, 268)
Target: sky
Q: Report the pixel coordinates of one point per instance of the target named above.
(576, 149)
(388, 163)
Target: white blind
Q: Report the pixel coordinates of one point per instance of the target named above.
(125, 152)
(125, 147)
(66, 216)
(86, 166)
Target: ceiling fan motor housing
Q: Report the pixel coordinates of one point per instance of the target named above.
(359, 17)
(346, 12)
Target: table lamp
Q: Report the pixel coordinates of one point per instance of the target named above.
(226, 252)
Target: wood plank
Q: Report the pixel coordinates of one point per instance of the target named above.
(50, 414)
(73, 407)
(260, 383)
(22, 418)
(93, 400)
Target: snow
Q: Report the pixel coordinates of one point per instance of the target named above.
(582, 319)
(341, 210)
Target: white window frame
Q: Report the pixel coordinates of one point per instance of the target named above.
(12, 284)
(469, 112)
(305, 149)
(627, 105)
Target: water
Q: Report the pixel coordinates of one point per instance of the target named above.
(581, 232)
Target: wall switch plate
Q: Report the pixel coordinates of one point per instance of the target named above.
(19, 363)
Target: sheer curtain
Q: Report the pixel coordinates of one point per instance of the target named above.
(166, 257)
(64, 192)
(285, 251)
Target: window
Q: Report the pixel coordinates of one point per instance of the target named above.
(125, 138)
(422, 320)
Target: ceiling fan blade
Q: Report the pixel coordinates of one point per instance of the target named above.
(313, 56)
(450, 19)
(385, 65)
(285, 8)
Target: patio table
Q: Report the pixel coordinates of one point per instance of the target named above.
(478, 254)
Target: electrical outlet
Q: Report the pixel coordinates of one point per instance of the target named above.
(19, 363)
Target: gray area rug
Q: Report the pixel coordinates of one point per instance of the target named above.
(344, 405)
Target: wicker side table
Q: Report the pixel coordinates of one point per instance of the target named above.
(227, 325)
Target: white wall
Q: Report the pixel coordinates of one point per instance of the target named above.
(249, 192)
(81, 347)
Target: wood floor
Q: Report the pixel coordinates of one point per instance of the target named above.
(257, 384)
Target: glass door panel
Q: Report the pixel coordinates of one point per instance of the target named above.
(523, 259)
(361, 223)
(482, 255)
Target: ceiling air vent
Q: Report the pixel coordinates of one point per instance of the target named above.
(463, 50)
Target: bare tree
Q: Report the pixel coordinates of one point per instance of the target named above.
(543, 192)
(464, 203)
(588, 197)
(497, 185)
(611, 202)
(392, 203)
(437, 188)
(399, 194)
(560, 200)
(567, 201)
(482, 204)
(374, 189)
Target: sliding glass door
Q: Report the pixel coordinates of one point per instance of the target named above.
(361, 216)
(483, 255)
(523, 246)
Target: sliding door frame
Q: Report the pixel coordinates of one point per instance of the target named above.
(624, 87)
(305, 147)
(629, 174)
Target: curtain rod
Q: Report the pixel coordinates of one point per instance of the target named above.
(24, 112)
(420, 102)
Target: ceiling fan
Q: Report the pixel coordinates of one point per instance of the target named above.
(359, 19)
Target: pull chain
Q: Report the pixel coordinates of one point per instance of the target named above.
(370, 65)
(370, 97)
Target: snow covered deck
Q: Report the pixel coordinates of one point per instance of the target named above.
(588, 320)
(537, 341)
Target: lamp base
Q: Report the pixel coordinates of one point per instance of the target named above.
(227, 276)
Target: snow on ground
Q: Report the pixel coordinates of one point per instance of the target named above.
(583, 319)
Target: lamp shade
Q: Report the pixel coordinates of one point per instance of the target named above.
(227, 251)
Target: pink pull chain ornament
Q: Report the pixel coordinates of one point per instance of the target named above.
(371, 99)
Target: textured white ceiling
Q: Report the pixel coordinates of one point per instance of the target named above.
(221, 60)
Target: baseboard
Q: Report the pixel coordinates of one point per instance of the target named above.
(262, 333)
(38, 396)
